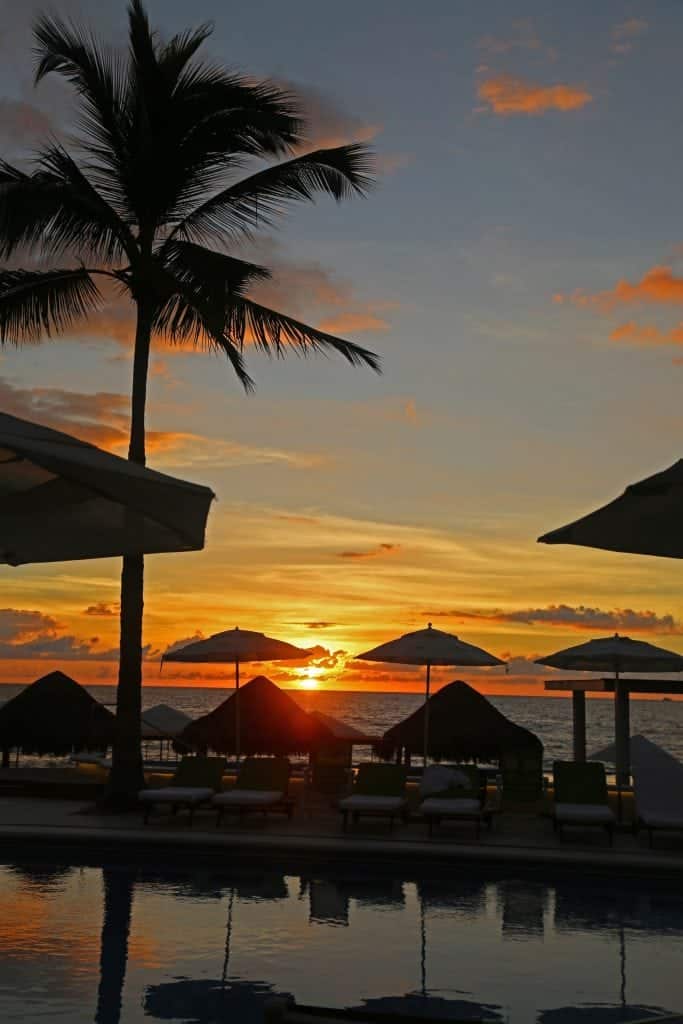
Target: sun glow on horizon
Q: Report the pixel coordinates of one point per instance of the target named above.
(310, 678)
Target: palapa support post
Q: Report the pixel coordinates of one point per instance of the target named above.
(579, 724)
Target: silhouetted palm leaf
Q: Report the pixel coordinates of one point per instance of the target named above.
(34, 304)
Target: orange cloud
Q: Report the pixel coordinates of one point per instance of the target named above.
(353, 323)
(657, 286)
(381, 549)
(101, 608)
(506, 95)
(637, 334)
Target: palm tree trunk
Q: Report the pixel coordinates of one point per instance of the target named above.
(126, 777)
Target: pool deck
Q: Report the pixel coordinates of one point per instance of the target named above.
(516, 840)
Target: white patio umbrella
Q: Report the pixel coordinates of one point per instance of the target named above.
(236, 646)
(63, 500)
(644, 520)
(616, 655)
(430, 647)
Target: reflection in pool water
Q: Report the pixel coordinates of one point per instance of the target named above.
(124, 943)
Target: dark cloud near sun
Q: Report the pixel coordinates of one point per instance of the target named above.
(579, 617)
(376, 552)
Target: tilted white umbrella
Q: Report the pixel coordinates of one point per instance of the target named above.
(235, 647)
(63, 500)
(430, 647)
(644, 520)
(616, 655)
(163, 722)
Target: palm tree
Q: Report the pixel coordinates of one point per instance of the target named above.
(151, 201)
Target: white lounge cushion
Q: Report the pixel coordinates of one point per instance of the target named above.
(360, 802)
(584, 814)
(175, 795)
(450, 807)
(248, 797)
(437, 778)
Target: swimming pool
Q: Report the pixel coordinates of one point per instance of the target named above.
(134, 943)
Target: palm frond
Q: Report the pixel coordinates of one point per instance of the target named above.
(260, 198)
(96, 74)
(176, 54)
(274, 332)
(34, 304)
(186, 319)
(56, 209)
(213, 274)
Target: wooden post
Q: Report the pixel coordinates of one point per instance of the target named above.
(622, 732)
(579, 714)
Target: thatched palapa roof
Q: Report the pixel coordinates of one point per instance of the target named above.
(463, 725)
(55, 715)
(271, 722)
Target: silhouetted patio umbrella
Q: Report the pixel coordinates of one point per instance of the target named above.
(429, 647)
(235, 647)
(617, 654)
(644, 520)
(62, 500)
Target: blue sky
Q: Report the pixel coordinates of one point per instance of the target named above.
(529, 160)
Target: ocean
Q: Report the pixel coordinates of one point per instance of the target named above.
(549, 718)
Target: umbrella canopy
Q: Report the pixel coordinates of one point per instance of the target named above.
(615, 654)
(270, 723)
(163, 722)
(55, 715)
(430, 647)
(465, 726)
(62, 499)
(644, 520)
(235, 646)
(641, 749)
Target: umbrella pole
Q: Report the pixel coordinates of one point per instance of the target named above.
(237, 711)
(425, 747)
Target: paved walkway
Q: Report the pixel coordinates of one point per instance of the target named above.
(519, 839)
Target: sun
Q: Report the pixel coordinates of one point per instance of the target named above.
(310, 677)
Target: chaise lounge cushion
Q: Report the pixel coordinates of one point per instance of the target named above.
(661, 819)
(365, 802)
(248, 798)
(435, 806)
(580, 814)
(175, 795)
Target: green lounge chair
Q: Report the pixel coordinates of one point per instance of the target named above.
(379, 789)
(581, 796)
(456, 792)
(261, 786)
(196, 780)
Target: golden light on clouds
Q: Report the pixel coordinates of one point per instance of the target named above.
(507, 95)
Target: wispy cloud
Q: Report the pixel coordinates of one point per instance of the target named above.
(102, 609)
(522, 36)
(378, 552)
(507, 95)
(579, 617)
(354, 322)
(657, 286)
(624, 34)
(647, 334)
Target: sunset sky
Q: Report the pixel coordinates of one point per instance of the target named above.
(519, 268)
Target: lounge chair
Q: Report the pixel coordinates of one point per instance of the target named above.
(456, 793)
(196, 780)
(379, 790)
(261, 786)
(658, 787)
(581, 796)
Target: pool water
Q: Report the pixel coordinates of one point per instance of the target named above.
(110, 943)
